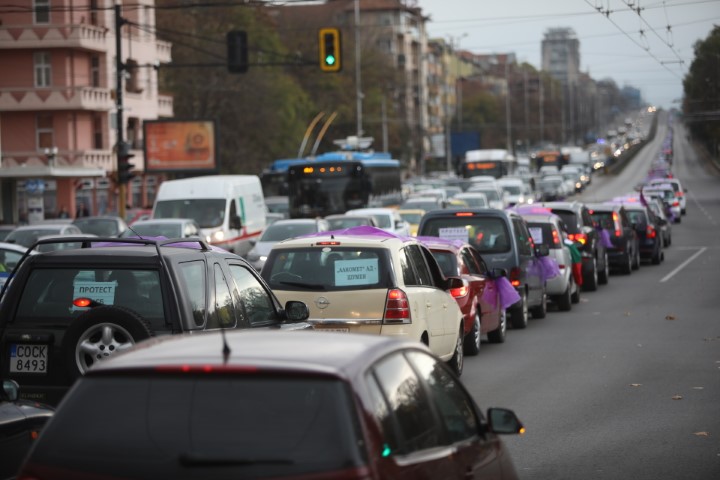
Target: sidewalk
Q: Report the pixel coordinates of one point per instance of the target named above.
(705, 156)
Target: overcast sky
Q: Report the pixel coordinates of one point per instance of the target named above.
(610, 46)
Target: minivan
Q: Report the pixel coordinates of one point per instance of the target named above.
(503, 240)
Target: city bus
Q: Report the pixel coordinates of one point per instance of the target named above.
(274, 178)
(340, 181)
(492, 162)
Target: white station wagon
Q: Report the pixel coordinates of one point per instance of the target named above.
(366, 280)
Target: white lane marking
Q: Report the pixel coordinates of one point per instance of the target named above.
(683, 265)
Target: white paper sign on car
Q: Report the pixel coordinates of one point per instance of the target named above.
(101, 292)
(356, 272)
(455, 233)
(536, 234)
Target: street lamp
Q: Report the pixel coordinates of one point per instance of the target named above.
(51, 153)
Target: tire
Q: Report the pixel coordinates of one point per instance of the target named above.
(627, 266)
(636, 259)
(604, 274)
(519, 313)
(457, 360)
(658, 257)
(498, 335)
(100, 333)
(564, 301)
(472, 340)
(541, 310)
(590, 282)
(575, 297)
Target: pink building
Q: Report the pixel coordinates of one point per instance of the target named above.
(58, 104)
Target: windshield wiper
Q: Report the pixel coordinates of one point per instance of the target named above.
(309, 286)
(213, 460)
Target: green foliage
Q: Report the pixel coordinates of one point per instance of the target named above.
(702, 89)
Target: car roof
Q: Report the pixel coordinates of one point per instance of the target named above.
(42, 225)
(355, 236)
(163, 220)
(330, 353)
(542, 218)
(451, 212)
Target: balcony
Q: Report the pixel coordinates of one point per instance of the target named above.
(82, 36)
(165, 105)
(55, 98)
(163, 51)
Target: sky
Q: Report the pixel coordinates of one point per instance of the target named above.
(643, 50)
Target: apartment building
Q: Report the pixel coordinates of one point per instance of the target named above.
(58, 104)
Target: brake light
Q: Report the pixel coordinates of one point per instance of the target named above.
(676, 203)
(397, 307)
(650, 232)
(578, 237)
(616, 221)
(515, 276)
(82, 302)
(463, 214)
(459, 292)
(324, 244)
(556, 238)
(679, 194)
(185, 368)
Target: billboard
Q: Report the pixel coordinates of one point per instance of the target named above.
(180, 145)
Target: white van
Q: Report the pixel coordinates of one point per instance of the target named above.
(230, 209)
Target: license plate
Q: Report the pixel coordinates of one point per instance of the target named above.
(342, 330)
(26, 358)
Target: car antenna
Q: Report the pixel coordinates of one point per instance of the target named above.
(136, 233)
(226, 347)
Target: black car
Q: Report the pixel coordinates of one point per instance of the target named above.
(20, 425)
(581, 229)
(68, 309)
(648, 228)
(624, 255)
(504, 241)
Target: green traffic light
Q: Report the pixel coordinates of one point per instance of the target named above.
(330, 60)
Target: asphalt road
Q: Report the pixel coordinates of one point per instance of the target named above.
(627, 384)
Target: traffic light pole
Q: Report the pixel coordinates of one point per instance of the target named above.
(119, 134)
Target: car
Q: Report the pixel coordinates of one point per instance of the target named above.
(480, 299)
(163, 227)
(473, 199)
(278, 204)
(581, 230)
(135, 214)
(422, 203)
(514, 190)
(503, 240)
(62, 243)
(551, 188)
(10, 255)
(548, 229)
(275, 405)
(677, 187)
(20, 424)
(624, 248)
(387, 218)
(27, 235)
(67, 310)
(666, 193)
(5, 229)
(658, 208)
(101, 225)
(412, 216)
(647, 226)
(367, 280)
(495, 195)
(279, 231)
(340, 221)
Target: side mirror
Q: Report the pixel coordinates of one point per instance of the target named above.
(235, 223)
(542, 250)
(11, 389)
(504, 421)
(454, 282)
(296, 311)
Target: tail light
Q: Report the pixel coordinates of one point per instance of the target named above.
(459, 292)
(515, 276)
(676, 203)
(679, 194)
(397, 308)
(650, 232)
(578, 237)
(616, 221)
(556, 238)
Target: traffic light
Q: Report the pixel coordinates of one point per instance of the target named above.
(124, 166)
(330, 50)
(237, 51)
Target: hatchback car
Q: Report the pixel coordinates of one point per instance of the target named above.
(340, 221)
(677, 188)
(27, 235)
(503, 240)
(101, 225)
(581, 230)
(66, 310)
(473, 199)
(666, 193)
(612, 218)
(647, 226)
(479, 299)
(366, 280)
(274, 405)
(163, 227)
(279, 231)
(387, 218)
(412, 217)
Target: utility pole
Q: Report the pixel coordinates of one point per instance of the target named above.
(541, 102)
(527, 108)
(358, 85)
(508, 128)
(120, 138)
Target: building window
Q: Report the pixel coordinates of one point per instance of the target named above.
(42, 69)
(93, 12)
(95, 70)
(44, 129)
(97, 132)
(42, 11)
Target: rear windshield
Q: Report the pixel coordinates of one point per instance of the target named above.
(604, 219)
(542, 234)
(49, 293)
(637, 216)
(204, 426)
(570, 220)
(487, 234)
(328, 269)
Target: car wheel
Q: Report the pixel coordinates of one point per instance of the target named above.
(590, 283)
(627, 265)
(498, 335)
(604, 274)
(99, 334)
(472, 339)
(564, 301)
(668, 241)
(658, 257)
(575, 297)
(541, 310)
(519, 313)
(457, 360)
(636, 258)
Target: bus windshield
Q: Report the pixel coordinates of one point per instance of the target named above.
(488, 167)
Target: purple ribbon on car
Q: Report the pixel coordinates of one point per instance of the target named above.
(548, 268)
(605, 240)
(508, 295)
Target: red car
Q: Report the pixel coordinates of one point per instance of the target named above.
(479, 299)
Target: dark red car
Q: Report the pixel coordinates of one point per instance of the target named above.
(479, 299)
(280, 405)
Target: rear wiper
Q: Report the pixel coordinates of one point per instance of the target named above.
(309, 286)
(213, 460)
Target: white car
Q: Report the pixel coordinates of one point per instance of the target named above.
(495, 195)
(473, 199)
(27, 235)
(282, 230)
(387, 218)
(371, 282)
(677, 187)
(514, 189)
